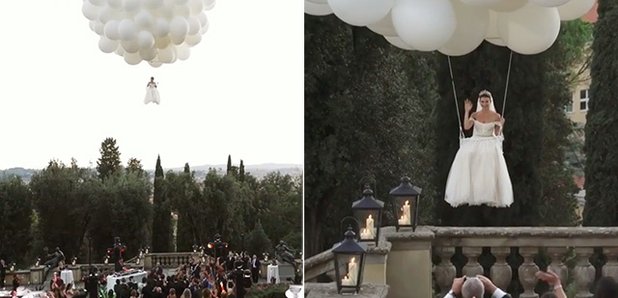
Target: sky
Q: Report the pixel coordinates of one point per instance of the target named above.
(239, 93)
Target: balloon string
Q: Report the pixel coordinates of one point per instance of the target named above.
(450, 68)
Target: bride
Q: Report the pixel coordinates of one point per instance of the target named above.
(479, 174)
(152, 94)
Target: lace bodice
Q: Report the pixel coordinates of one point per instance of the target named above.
(483, 129)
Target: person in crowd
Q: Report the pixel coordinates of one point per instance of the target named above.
(468, 287)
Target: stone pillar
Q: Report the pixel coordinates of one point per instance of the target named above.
(77, 273)
(611, 267)
(473, 267)
(444, 272)
(583, 272)
(148, 265)
(409, 266)
(501, 272)
(527, 272)
(36, 275)
(374, 271)
(556, 265)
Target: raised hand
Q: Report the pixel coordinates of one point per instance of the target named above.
(467, 105)
(549, 277)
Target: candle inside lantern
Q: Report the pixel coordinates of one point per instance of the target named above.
(369, 231)
(405, 217)
(346, 281)
(353, 270)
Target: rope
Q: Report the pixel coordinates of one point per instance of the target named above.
(506, 88)
(450, 68)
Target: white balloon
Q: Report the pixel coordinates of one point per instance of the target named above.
(180, 2)
(148, 54)
(194, 39)
(492, 35)
(90, 11)
(396, 41)
(203, 18)
(508, 5)
(97, 2)
(91, 24)
(144, 19)
(107, 14)
(472, 24)
(384, 26)
(485, 3)
(196, 7)
(161, 28)
(531, 29)
(425, 25)
(209, 4)
(145, 40)
(361, 12)
(111, 30)
(178, 30)
(114, 3)
(182, 11)
(132, 58)
(153, 4)
(155, 63)
(132, 6)
(183, 52)
(575, 9)
(162, 42)
(318, 1)
(549, 3)
(130, 46)
(98, 27)
(316, 9)
(107, 45)
(194, 25)
(119, 51)
(167, 54)
(127, 29)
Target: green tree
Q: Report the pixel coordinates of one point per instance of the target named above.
(109, 162)
(241, 171)
(602, 122)
(257, 241)
(135, 166)
(161, 224)
(366, 105)
(229, 164)
(63, 199)
(15, 219)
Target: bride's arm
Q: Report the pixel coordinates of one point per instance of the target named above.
(468, 120)
(499, 125)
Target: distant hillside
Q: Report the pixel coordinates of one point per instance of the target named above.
(258, 171)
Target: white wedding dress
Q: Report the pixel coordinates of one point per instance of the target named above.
(479, 174)
(152, 94)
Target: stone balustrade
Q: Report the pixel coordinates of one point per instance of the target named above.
(168, 260)
(411, 272)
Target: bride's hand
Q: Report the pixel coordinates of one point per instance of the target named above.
(467, 105)
(501, 121)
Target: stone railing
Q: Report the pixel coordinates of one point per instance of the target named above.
(168, 260)
(409, 271)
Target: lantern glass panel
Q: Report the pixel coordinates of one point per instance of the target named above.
(405, 210)
(349, 270)
(369, 221)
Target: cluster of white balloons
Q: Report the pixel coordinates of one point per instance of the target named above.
(156, 31)
(457, 27)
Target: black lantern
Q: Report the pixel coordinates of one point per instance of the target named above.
(349, 263)
(368, 213)
(405, 198)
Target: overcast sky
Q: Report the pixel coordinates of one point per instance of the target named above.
(240, 92)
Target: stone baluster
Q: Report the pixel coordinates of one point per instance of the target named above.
(611, 267)
(473, 267)
(583, 272)
(501, 272)
(445, 271)
(527, 272)
(556, 265)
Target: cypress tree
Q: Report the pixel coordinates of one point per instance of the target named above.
(241, 172)
(229, 164)
(602, 122)
(109, 162)
(161, 226)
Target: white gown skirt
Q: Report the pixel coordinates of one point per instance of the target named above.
(479, 174)
(152, 95)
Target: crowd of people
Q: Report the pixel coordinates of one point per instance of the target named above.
(480, 286)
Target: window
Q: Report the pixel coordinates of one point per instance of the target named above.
(569, 107)
(583, 100)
